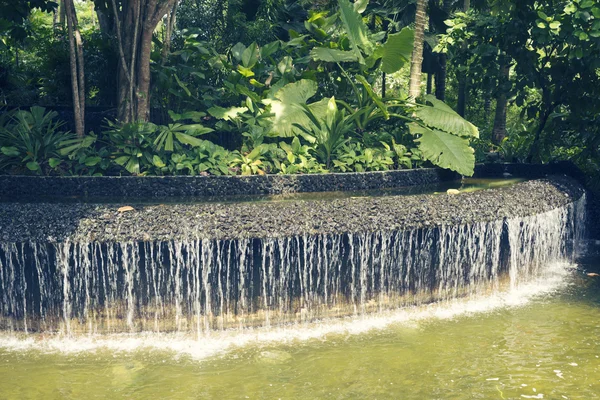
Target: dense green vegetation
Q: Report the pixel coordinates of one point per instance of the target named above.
(275, 86)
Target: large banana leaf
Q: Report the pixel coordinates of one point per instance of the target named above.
(357, 31)
(286, 108)
(445, 149)
(397, 50)
(441, 116)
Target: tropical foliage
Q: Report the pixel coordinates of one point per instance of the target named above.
(276, 86)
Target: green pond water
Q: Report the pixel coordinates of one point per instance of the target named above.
(465, 185)
(540, 341)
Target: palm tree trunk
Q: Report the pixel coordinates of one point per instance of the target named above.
(416, 63)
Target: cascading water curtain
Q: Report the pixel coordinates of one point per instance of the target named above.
(204, 284)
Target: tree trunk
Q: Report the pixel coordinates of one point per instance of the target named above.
(429, 83)
(135, 22)
(169, 28)
(462, 78)
(62, 13)
(76, 63)
(106, 25)
(440, 79)
(535, 147)
(499, 131)
(441, 74)
(416, 63)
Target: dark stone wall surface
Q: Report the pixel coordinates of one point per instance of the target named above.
(143, 187)
(41, 221)
(161, 187)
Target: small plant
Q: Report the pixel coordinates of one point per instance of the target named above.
(173, 136)
(132, 145)
(252, 163)
(34, 138)
(355, 157)
(298, 159)
(328, 133)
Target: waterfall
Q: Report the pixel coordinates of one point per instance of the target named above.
(203, 285)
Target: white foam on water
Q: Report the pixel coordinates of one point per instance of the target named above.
(217, 343)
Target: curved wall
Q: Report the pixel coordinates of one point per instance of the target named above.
(76, 267)
(41, 222)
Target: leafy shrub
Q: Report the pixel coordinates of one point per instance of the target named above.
(33, 139)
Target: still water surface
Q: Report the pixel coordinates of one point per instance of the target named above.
(540, 341)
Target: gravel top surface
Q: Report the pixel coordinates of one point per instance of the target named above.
(104, 222)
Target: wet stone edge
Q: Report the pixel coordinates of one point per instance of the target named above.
(54, 222)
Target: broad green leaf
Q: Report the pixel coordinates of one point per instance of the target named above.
(332, 55)
(33, 166)
(269, 49)
(570, 9)
(195, 129)
(554, 25)
(441, 116)
(397, 50)
(286, 107)
(587, 4)
(247, 72)
(444, 149)
(227, 114)
(133, 166)
(122, 160)
(10, 151)
(54, 162)
(285, 65)
(360, 6)
(158, 162)
(357, 31)
(91, 161)
(250, 56)
(379, 36)
(238, 50)
(188, 139)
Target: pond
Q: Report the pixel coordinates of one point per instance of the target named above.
(538, 340)
(465, 185)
